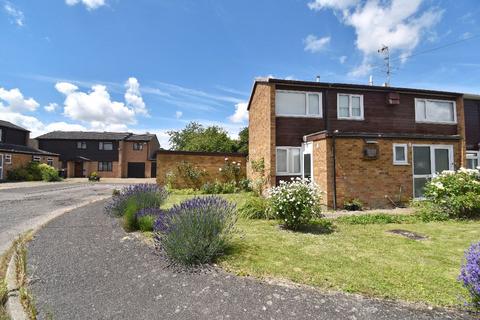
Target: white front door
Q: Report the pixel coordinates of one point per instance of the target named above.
(428, 161)
(1, 166)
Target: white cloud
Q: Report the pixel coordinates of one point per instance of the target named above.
(178, 114)
(15, 14)
(65, 87)
(51, 107)
(14, 101)
(89, 4)
(133, 97)
(315, 44)
(398, 24)
(27, 122)
(64, 126)
(342, 59)
(334, 4)
(241, 113)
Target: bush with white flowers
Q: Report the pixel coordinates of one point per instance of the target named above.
(457, 193)
(295, 202)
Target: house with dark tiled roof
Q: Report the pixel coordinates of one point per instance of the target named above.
(110, 154)
(16, 152)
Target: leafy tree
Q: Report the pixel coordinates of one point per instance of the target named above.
(242, 142)
(195, 137)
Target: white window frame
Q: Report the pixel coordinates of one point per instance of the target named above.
(288, 173)
(101, 145)
(36, 158)
(307, 102)
(405, 148)
(50, 160)
(81, 145)
(7, 159)
(350, 117)
(474, 155)
(433, 121)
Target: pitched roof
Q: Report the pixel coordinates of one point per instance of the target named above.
(10, 125)
(16, 148)
(84, 135)
(141, 137)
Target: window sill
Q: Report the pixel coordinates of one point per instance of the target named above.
(287, 174)
(436, 122)
(351, 119)
(297, 116)
(401, 164)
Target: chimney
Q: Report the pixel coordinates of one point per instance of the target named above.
(317, 79)
(370, 80)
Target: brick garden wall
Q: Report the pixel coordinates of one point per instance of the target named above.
(21, 159)
(168, 161)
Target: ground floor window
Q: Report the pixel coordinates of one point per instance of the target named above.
(50, 162)
(400, 154)
(288, 161)
(36, 158)
(104, 166)
(8, 159)
(472, 159)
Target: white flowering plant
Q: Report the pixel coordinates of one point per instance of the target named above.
(295, 202)
(457, 193)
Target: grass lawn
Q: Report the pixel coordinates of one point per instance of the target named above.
(357, 258)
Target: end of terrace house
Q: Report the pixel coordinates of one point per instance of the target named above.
(373, 143)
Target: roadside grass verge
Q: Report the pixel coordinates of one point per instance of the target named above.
(356, 255)
(18, 248)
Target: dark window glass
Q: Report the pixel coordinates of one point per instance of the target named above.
(81, 145)
(105, 146)
(104, 166)
(138, 146)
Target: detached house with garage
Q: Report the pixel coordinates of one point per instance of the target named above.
(373, 143)
(110, 154)
(16, 152)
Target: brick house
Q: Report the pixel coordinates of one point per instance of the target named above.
(377, 144)
(16, 152)
(110, 154)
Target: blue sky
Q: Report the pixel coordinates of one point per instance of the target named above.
(155, 65)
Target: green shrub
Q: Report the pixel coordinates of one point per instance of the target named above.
(295, 202)
(426, 211)
(49, 173)
(245, 185)
(255, 208)
(219, 188)
(130, 223)
(30, 172)
(231, 171)
(456, 193)
(197, 230)
(380, 218)
(146, 223)
(258, 183)
(184, 192)
(191, 175)
(170, 180)
(353, 205)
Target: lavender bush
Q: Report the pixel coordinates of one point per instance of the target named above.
(146, 218)
(197, 230)
(143, 195)
(470, 274)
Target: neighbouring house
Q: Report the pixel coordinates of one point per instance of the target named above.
(169, 163)
(16, 152)
(110, 154)
(373, 143)
(472, 130)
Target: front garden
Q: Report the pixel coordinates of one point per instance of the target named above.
(285, 238)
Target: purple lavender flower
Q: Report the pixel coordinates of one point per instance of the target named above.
(470, 274)
(147, 195)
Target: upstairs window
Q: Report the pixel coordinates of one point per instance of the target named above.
(350, 106)
(472, 159)
(435, 111)
(107, 146)
(138, 146)
(36, 158)
(81, 145)
(298, 104)
(288, 161)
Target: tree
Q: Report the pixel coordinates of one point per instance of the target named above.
(242, 142)
(195, 137)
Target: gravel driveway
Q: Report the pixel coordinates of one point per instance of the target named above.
(22, 209)
(84, 266)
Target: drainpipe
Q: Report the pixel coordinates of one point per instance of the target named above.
(334, 170)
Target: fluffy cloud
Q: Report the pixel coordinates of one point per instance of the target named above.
(15, 14)
(14, 101)
(98, 109)
(397, 24)
(241, 113)
(133, 98)
(315, 44)
(89, 4)
(51, 107)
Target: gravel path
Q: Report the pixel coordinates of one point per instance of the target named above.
(84, 266)
(25, 208)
